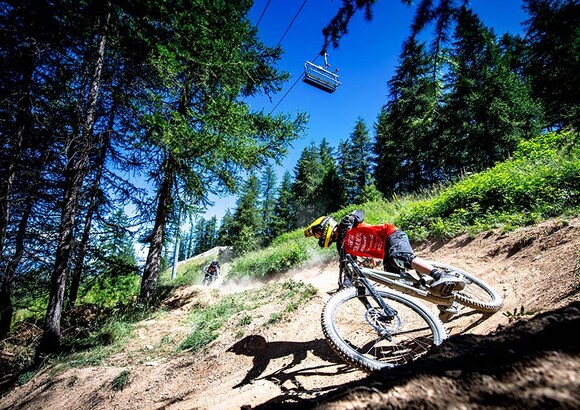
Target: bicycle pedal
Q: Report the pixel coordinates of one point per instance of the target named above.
(446, 313)
(446, 286)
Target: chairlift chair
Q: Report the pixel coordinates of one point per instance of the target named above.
(320, 77)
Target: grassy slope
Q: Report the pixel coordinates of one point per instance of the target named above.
(541, 181)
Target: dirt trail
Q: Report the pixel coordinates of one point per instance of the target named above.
(290, 362)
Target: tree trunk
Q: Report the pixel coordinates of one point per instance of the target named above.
(22, 125)
(77, 156)
(84, 243)
(6, 309)
(151, 270)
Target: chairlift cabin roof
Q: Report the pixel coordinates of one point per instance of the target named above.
(319, 77)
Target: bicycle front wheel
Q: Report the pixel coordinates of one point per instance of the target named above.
(365, 339)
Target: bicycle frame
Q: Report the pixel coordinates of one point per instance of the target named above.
(395, 281)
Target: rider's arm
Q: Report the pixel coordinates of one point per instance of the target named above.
(352, 220)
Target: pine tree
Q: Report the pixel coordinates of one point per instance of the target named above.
(355, 163)
(284, 218)
(405, 130)
(329, 194)
(347, 172)
(226, 229)
(307, 180)
(553, 37)
(489, 109)
(211, 230)
(267, 203)
(247, 223)
(198, 236)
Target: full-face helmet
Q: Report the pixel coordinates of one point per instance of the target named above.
(322, 228)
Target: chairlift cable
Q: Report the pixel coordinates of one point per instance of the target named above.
(284, 96)
(263, 12)
(292, 22)
(290, 89)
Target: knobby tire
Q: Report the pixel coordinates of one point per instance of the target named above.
(477, 294)
(414, 331)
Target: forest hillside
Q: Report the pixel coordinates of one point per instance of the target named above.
(524, 356)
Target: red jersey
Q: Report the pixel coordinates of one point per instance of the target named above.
(368, 240)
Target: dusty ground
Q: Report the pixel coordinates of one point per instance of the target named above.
(506, 360)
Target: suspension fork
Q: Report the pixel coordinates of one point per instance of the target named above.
(363, 283)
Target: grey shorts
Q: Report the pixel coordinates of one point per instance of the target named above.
(398, 251)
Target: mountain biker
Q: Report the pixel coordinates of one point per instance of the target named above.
(384, 241)
(213, 269)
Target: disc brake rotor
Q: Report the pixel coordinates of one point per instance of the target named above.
(383, 325)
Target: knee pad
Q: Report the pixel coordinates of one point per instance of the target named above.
(401, 260)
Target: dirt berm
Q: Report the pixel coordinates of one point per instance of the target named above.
(524, 357)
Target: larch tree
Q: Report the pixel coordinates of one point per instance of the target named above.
(201, 135)
(79, 143)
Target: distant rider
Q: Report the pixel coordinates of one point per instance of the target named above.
(212, 271)
(384, 241)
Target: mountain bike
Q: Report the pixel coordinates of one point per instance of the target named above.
(209, 278)
(373, 328)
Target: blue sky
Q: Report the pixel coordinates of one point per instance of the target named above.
(366, 58)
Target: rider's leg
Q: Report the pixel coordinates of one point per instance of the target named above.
(399, 254)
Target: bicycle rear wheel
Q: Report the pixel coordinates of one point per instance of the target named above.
(477, 294)
(354, 332)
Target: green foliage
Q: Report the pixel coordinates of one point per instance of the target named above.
(553, 35)
(188, 273)
(284, 212)
(406, 130)
(270, 260)
(245, 320)
(296, 294)
(542, 180)
(247, 221)
(121, 381)
(25, 377)
(517, 314)
(488, 107)
(109, 291)
(100, 343)
(206, 321)
(245, 241)
(355, 164)
(202, 237)
(316, 189)
(538, 183)
(95, 333)
(576, 273)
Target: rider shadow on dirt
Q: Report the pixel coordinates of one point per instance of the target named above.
(263, 352)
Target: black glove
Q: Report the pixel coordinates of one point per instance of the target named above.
(352, 220)
(346, 223)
